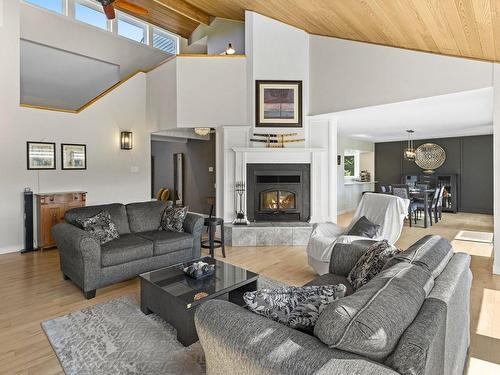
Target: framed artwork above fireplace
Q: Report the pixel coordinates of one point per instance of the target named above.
(278, 104)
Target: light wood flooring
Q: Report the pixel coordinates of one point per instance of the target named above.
(32, 290)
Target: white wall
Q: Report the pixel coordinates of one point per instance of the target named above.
(108, 177)
(52, 77)
(221, 32)
(496, 167)
(210, 91)
(70, 35)
(275, 51)
(346, 74)
(162, 97)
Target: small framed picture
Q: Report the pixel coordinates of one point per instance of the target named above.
(278, 104)
(41, 155)
(73, 156)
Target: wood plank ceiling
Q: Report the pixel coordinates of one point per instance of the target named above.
(465, 28)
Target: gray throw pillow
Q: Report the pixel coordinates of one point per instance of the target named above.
(364, 228)
(173, 219)
(371, 263)
(100, 226)
(296, 307)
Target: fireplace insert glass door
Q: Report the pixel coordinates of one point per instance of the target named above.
(276, 200)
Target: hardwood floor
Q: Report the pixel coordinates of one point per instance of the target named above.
(32, 290)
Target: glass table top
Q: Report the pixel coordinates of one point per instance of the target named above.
(192, 292)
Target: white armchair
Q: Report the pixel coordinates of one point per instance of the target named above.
(388, 211)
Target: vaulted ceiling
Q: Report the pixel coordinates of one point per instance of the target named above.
(466, 28)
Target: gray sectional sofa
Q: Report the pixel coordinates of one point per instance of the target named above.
(412, 318)
(141, 247)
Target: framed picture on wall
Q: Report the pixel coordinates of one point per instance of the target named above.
(41, 155)
(73, 156)
(278, 104)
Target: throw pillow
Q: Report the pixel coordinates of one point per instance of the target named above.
(371, 263)
(100, 226)
(173, 219)
(363, 228)
(297, 307)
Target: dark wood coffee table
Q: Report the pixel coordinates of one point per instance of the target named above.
(174, 296)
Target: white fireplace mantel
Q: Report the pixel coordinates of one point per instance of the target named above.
(317, 158)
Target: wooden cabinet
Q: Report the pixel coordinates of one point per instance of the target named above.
(51, 208)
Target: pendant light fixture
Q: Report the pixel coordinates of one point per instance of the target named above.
(409, 151)
(202, 131)
(230, 50)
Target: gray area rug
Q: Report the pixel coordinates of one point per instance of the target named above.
(115, 337)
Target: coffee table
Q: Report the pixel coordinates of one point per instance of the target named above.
(174, 296)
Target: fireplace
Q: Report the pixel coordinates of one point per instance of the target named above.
(278, 192)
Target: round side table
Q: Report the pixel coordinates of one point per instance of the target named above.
(212, 243)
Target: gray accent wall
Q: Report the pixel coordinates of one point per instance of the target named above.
(199, 183)
(471, 158)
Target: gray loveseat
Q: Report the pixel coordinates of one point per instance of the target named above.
(141, 247)
(412, 318)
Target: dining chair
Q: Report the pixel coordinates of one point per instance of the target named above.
(438, 210)
(431, 206)
(403, 191)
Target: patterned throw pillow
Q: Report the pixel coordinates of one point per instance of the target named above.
(100, 226)
(297, 307)
(371, 263)
(173, 219)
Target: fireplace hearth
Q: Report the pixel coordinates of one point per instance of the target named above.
(278, 192)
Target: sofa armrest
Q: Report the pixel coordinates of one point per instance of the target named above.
(194, 224)
(346, 252)
(237, 341)
(80, 254)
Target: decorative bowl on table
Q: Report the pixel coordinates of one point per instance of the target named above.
(199, 270)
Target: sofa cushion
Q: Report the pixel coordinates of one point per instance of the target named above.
(297, 307)
(173, 219)
(127, 248)
(167, 241)
(345, 255)
(371, 263)
(363, 228)
(116, 210)
(332, 279)
(100, 227)
(431, 252)
(145, 216)
(371, 321)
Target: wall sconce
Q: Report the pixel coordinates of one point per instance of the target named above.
(126, 140)
(230, 50)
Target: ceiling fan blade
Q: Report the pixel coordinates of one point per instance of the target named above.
(125, 5)
(109, 11)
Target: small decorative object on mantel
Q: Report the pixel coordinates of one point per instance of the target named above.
(199, 270)
(276, 140)
(364, 176)
(278, 104)
(429, 157)
(240, 190)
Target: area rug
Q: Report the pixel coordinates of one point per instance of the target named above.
(116, 338)
(473, 236)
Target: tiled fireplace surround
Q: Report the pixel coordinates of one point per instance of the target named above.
(237, 152)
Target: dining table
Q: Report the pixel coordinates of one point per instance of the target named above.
(426, 196)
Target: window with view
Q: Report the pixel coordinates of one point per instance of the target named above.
(90, 15)
(164, 41)
(53, 5)
(132, 29)
(349, 165)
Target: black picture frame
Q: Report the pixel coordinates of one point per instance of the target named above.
(30, 157)
(63, 159)
(261, 121)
